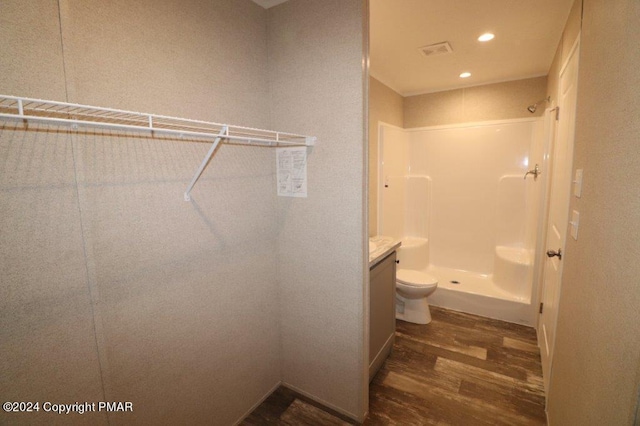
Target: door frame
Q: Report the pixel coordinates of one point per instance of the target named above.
(575, 50)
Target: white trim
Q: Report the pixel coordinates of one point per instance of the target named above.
(572, 51)
(384, 82)
(363, 408)
(384, 123)
(474, 124)
(322, 402)
(257, 404)
(470, 85)
(449, 88)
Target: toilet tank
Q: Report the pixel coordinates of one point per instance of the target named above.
(414, 253)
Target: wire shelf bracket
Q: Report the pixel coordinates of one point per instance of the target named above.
(77, 115)
(203, 165)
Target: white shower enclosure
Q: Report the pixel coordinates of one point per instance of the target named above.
(458, 199)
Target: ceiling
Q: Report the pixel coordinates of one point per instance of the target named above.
(268, 3)
(527, 34)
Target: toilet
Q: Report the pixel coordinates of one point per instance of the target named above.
(412, 289)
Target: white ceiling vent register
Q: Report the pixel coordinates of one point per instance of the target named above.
(436, 49)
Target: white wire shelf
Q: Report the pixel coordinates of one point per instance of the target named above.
(76, 116)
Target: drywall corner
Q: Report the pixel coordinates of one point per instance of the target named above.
(316, 87)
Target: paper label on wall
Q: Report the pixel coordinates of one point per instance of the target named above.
(292, 171)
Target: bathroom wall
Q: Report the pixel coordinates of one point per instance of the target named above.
(317, 81)
(113, 287)
(499, 101)
(31, 63)
(385, 106)
(596, 366)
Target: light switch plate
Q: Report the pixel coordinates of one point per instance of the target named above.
(575, 222)
(577, 183)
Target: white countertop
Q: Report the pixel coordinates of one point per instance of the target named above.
(382, 246)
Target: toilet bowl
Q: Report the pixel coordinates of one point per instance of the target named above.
(412, 289)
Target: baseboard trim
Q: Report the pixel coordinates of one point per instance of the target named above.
(257, 404)
(324, 405)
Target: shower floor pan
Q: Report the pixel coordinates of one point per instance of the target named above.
(476, 293)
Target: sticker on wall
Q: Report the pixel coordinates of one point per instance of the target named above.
(292, 171)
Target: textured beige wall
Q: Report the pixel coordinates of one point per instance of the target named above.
(595, 378)
(386, 106)
(47, 331)
(192, 58)
(498, 101)
(316, 79)
(31, 64)
(113, 287)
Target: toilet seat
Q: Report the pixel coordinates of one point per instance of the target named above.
(414, 278)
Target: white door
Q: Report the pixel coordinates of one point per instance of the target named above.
(558, 209)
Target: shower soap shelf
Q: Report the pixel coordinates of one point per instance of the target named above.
(77, 115)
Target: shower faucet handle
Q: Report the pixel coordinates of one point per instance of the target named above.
(535, 172)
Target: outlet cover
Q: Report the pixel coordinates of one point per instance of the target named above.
(577, 184)
(575, 222)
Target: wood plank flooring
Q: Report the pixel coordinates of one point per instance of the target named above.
(460, 369)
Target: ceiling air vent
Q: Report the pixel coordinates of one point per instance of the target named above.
(436, 49)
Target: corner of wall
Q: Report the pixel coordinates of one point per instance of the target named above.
(316, 87)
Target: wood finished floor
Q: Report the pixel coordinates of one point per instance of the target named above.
(460, 369)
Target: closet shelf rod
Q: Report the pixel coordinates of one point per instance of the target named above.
(77, 115)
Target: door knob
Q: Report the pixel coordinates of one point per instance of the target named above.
(552, 253)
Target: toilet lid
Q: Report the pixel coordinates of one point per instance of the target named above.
(414, 278)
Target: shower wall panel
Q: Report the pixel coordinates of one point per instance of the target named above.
(394, 150)
(417, 206)
(511, 211)
(471, 210)
(392, 211)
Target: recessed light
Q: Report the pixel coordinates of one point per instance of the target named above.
(486, 37)
(465, 75)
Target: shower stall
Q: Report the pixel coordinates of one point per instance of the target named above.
(460, 199)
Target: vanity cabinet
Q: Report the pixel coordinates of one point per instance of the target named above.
(382, 311)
